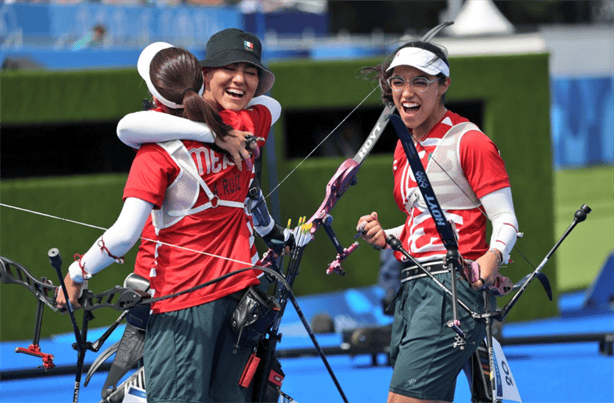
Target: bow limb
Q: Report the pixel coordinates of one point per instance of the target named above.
(118, 298)
(346, 173)
(338, 184)
(14, 273)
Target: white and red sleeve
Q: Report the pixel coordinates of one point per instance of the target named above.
(485, 171)
(143, 127)
(115, 242)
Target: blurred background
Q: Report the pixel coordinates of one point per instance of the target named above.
(68, 75)
(536, 76)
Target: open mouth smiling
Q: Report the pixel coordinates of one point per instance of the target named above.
(235, 93)
(410, 107)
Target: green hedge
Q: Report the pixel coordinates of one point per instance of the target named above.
(26, 238)
(72, 96)
(516, 98)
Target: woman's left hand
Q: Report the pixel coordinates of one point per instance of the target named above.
(74, 292)
(236, 144)
(371, 230)
(489, 268)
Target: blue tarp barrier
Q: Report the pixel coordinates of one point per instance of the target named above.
(582, 121)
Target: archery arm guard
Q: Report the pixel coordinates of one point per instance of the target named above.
(257, 208)
(275, 236)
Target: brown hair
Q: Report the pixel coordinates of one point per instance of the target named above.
(177, 76)
(378, 73)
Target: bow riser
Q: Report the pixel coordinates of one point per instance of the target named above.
(118, 298)
(336, 187)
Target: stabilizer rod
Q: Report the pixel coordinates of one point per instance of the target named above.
(579, 216)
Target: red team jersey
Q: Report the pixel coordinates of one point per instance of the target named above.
(485, 172)
(221, 231)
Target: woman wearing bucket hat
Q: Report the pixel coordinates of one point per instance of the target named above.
(415, 78)
(236, 79)
(197, 197)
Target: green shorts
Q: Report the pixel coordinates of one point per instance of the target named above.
(189, 357)
(425, 363)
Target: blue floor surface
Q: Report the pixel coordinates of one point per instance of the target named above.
(554, 373)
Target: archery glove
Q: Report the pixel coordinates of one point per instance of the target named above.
(278, 238)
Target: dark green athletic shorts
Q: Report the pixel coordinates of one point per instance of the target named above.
(189, 356)
(424, 360)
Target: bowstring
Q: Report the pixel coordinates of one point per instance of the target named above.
(320, 143)
(106, 229)
(182, 247)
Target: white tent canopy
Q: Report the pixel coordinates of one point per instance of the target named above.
(480, 17)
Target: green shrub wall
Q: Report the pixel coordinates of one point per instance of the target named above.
(514, 90)
(69, 96)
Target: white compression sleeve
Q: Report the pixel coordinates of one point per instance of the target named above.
(271, 104)
(500, 211)
(142, 127)
(117, 240)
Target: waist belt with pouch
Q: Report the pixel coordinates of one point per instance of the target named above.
(412, 272)
(254, 315)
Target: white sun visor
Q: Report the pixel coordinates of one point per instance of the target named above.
(421, 59)
(143, 67)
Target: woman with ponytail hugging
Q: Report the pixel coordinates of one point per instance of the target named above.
(196, 196)
(236, 82)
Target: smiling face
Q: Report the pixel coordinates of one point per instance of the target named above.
(232, 86)
(420, 111)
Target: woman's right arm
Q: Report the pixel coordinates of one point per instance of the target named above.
(111, 246)
(142, 127)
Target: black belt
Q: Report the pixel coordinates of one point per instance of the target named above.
(412, 271)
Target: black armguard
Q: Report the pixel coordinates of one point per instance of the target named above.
(275, 239)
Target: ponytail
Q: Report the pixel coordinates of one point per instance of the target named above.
(177, 76)
(197, 109)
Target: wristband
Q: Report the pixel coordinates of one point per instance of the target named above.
(77, 271)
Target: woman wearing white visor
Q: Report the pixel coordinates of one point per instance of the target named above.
(471, 183)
